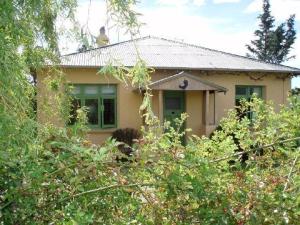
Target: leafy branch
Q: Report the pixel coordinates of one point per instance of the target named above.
(256, 149)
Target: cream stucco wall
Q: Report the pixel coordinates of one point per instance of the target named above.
(128, 100)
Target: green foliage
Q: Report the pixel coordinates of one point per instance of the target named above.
(122, 13)
(272, 45)
(53, 175)
(70, 181)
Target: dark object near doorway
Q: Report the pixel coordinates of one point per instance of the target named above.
(127, 136)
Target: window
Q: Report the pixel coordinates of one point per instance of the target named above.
(246, 92)
(100, 101)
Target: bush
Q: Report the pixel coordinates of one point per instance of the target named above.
(126, 137)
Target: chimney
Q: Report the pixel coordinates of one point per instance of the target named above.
(102, 39)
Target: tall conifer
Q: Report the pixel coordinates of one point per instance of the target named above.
(272, 45)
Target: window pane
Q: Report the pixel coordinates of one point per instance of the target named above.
(237, 102)
(109, 112)
(90, 90)
(73, 112)
(106, 89)
(173, 103)
(75, 90)
(241, 91)
(257, 91)
(92, 105)
(246, 92)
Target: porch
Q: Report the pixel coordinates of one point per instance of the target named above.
(184, 92)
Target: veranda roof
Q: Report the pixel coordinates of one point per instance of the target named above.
(185, 81)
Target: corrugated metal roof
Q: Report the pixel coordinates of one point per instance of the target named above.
(161, 53)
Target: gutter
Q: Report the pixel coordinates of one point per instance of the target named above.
(293, 72)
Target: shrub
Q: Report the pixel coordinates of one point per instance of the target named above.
(126, 137)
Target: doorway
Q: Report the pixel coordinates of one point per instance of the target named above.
(174, 106)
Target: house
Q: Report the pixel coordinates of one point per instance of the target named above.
(203, 82)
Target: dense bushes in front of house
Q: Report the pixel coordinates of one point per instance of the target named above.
(67, 180)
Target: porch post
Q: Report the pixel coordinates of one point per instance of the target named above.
(214, 118)
(160, 106)
(206, 111)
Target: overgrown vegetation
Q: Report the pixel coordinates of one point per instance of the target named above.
(52, 175)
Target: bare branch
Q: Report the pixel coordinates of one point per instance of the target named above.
(290, 173)
(106, 188)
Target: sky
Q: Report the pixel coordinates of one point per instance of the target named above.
(226, 25)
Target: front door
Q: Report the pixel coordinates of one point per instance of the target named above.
(174, 106)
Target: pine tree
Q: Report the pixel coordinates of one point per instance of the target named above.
(272, 45)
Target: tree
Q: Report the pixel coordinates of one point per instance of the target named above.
(272, 45)
(295, 91)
